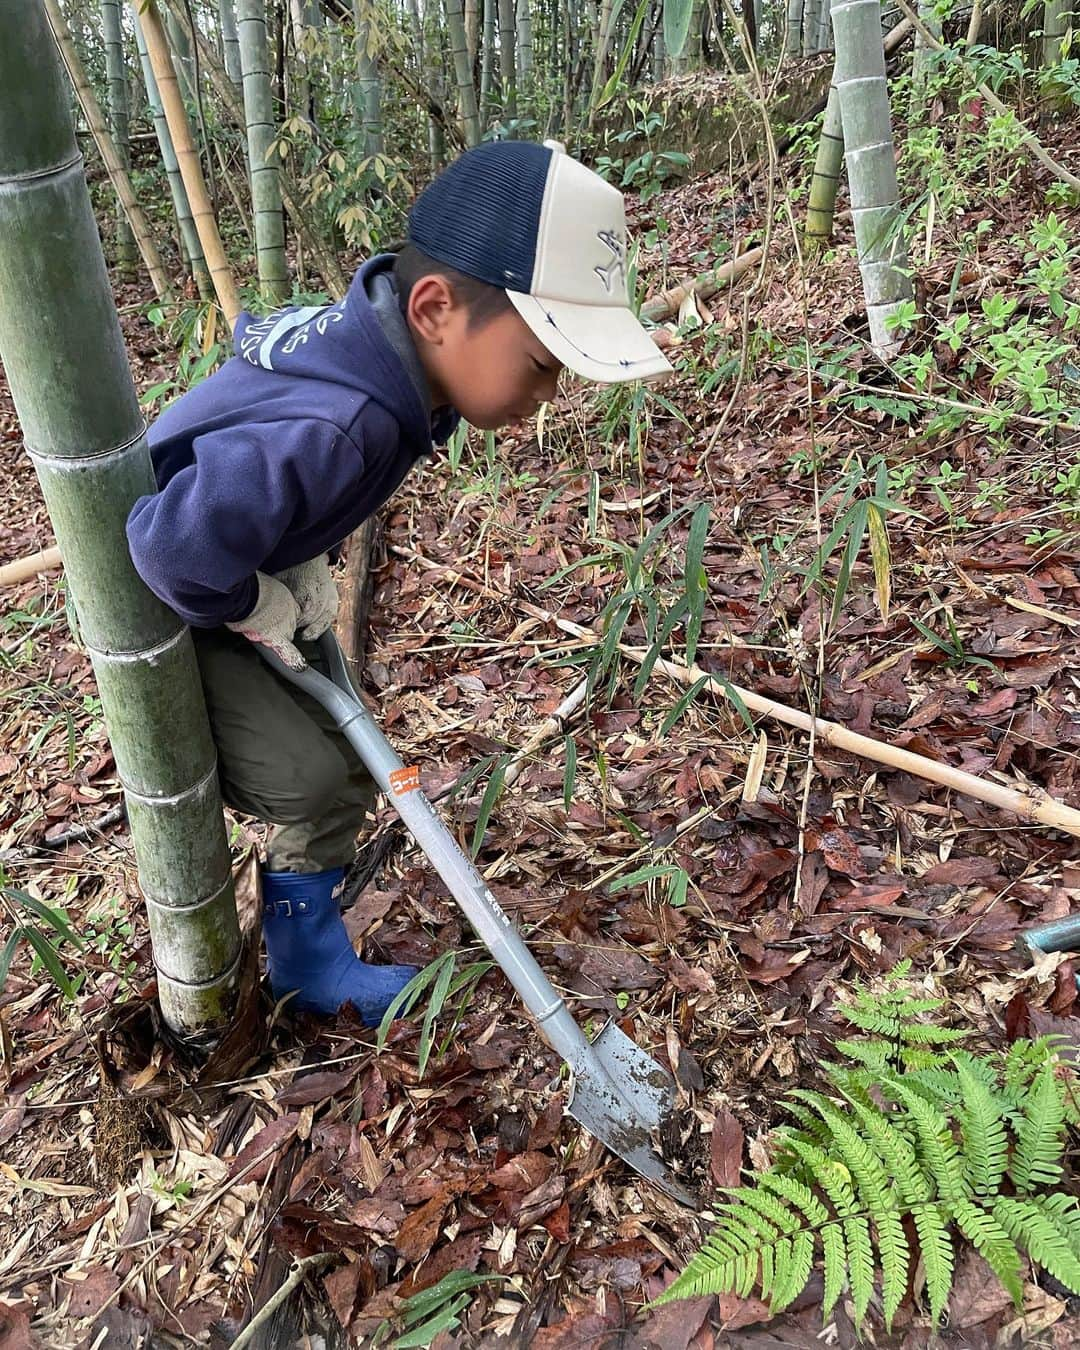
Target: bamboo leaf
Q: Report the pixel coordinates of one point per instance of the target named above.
(6, 953)
(487, 803)
(683, 703)
(879, 553)
(569, 772)
(677, 15)
(47, 955)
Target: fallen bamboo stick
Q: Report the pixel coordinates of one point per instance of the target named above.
(1029, 803)
(29, 566)
(706, 285)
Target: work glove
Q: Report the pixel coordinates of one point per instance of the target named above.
(316, 594)
(274, 621)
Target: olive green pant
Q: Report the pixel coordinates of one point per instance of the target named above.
(280, 756)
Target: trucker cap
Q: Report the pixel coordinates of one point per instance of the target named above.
(552, 234)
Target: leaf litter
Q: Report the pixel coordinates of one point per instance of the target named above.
(176, 1213)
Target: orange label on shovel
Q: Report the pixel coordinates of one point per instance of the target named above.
(404, 780)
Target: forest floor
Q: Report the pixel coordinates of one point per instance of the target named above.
(161, 1221)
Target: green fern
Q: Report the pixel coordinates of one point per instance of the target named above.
(917, 1142)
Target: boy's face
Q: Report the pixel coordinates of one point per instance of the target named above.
(495, 373)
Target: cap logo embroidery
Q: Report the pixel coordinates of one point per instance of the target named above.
(615, 242)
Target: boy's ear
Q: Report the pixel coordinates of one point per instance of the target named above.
(432, 304)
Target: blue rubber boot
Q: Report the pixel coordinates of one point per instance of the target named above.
(309, 950)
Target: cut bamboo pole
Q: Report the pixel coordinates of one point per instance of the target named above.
(114, 166)
(22, 568)
(706, 285)
(187, 158)
(1027, 803)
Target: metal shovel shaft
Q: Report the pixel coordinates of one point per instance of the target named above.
(596, 1079)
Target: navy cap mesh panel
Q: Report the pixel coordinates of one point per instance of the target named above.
(481, 215)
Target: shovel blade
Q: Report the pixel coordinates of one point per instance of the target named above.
(621, 1096)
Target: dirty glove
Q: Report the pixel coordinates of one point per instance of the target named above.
(274, 621)
(315, 593)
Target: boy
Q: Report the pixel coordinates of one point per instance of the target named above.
(515, 266)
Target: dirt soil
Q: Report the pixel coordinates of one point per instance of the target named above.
(142, 1206)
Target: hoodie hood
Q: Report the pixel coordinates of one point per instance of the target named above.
(322, 342)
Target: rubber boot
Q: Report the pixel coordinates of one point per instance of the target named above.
(309, 950)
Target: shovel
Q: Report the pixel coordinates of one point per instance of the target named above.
(619, 1094)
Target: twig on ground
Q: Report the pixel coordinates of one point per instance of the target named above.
(295, 1278)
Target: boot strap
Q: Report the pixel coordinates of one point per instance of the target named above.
(283, 907)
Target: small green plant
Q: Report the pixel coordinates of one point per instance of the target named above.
(424, 1315)
(194, 330)
(438, 976)
(915, 1142)
(21, 908)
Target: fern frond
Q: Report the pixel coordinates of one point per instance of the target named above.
(833, 1177)
(1036, 1158)
(871, 1054)
(926, 1033)
(871, 1178)
(893, 1254)
(1024, 1059)
(792, 1275)
(798, 1196)
(936, 1144)
(875, 1020)
(1065, 1211)
(770, 1206)
(936, 1249)
(994, 1245)
(986, 1143)
(834, 1253)
(860, 1264)
(914, 1058)
(898, 1152)
(1023, 1219)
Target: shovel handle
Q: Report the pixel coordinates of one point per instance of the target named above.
(472, 893)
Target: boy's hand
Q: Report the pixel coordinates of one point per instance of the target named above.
(316, 594)
(274, 621)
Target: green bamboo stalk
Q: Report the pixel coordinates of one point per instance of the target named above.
(792, 30)
(116, 76)
(826, 179)
(921, 61)
(368, 88)
(871, 165)
(118, 175)
(61, 345)
(1056, 14)
(202, 209)
(188, 233)
(455, 22)
(811, 22)
(230, 41)
(524, 48)
(261, 132)
(507, 70)
(325, 258)
(487, 55)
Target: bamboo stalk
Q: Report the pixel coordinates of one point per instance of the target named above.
(463, 75)
(188, 233)
(118, 175)
(325, 258)
(706, 285)
(63, 352)
(1027, 803)
(116, 74)
(187, 158)
(871, 166)
(265, 177)
(22, 568)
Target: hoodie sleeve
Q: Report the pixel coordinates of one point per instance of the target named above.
(198, 542)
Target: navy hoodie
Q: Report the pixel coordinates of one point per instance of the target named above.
(283, 452)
